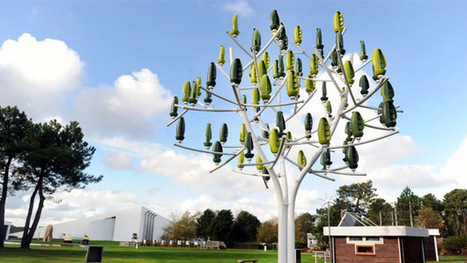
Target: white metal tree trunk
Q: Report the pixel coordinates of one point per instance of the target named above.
(285, 186)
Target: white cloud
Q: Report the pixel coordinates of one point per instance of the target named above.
(76, 204)
(35, 75)
(240, 7)
(128, 108)
(118, 160)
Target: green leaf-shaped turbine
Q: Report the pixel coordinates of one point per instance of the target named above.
(212, 75)
(301, 159)
(243, 133)
(379, 63)
(319, 41)
(236, 71)
(357, 124)
(389, 114)
(280, 123)
(241, 160)
(314, 63)
(234, 32)
(221, 59)
(298, 36)
(364, 85)
(259, 163)
(340, 43)
(310, 85)
(299, 67)
(180, 132)
(363, 55)
(326, 159)
(265, 132)
(338, 21)
(324, 131)
(224, 133)
(266, 59)
(266, 88)
(253, 75)
(387, 91)
(275, 22)
(324, 92)
(352, 157)
(281, 66)
(208, 135)
(289, 60)
(173, 108)
(193, 99)
(186, 92)
(256, 41)
(274, 142)
(292, 85)
(349, 71)
(249, 147)
(308, 125)
(348, 131)
(217, 149)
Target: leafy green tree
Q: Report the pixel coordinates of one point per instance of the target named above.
(304, 224)
(429, 218)
(430, 200)
(13, 128)
(359, 196)
(268, 231)
(380, 212)
(183, 227)
(56, 158)
(203, 222)
(455, 211)
(245, 227)
(408, 204)
(336, 209)
(221, 226)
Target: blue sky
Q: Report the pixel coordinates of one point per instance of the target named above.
(115, 65)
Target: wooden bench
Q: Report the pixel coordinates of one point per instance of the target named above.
(247, 260)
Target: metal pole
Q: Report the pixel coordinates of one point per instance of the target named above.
(329, 234)
(395, 212)
(380, 218)
(410, 211)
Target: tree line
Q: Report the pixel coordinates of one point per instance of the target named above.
(39, 158)
(448, 215)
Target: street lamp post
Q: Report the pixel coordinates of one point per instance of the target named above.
(267, 117)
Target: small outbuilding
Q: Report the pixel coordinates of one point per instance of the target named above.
(382, 244)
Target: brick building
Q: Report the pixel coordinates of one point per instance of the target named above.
(382, 244)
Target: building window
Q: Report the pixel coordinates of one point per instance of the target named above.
(365, 240)
(364, 249)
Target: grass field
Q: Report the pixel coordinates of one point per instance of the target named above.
(116, 254)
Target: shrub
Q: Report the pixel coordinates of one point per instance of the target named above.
(455, 244)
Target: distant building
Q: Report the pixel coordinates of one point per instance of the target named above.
(117, 226)
(370, 243)
(311, 240)
(6, 228)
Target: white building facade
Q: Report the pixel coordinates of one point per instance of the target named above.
(117, 226)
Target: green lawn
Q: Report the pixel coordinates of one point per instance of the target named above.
(114, 253)
(118, 254)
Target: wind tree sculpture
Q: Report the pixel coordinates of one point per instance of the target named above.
(265, 130)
